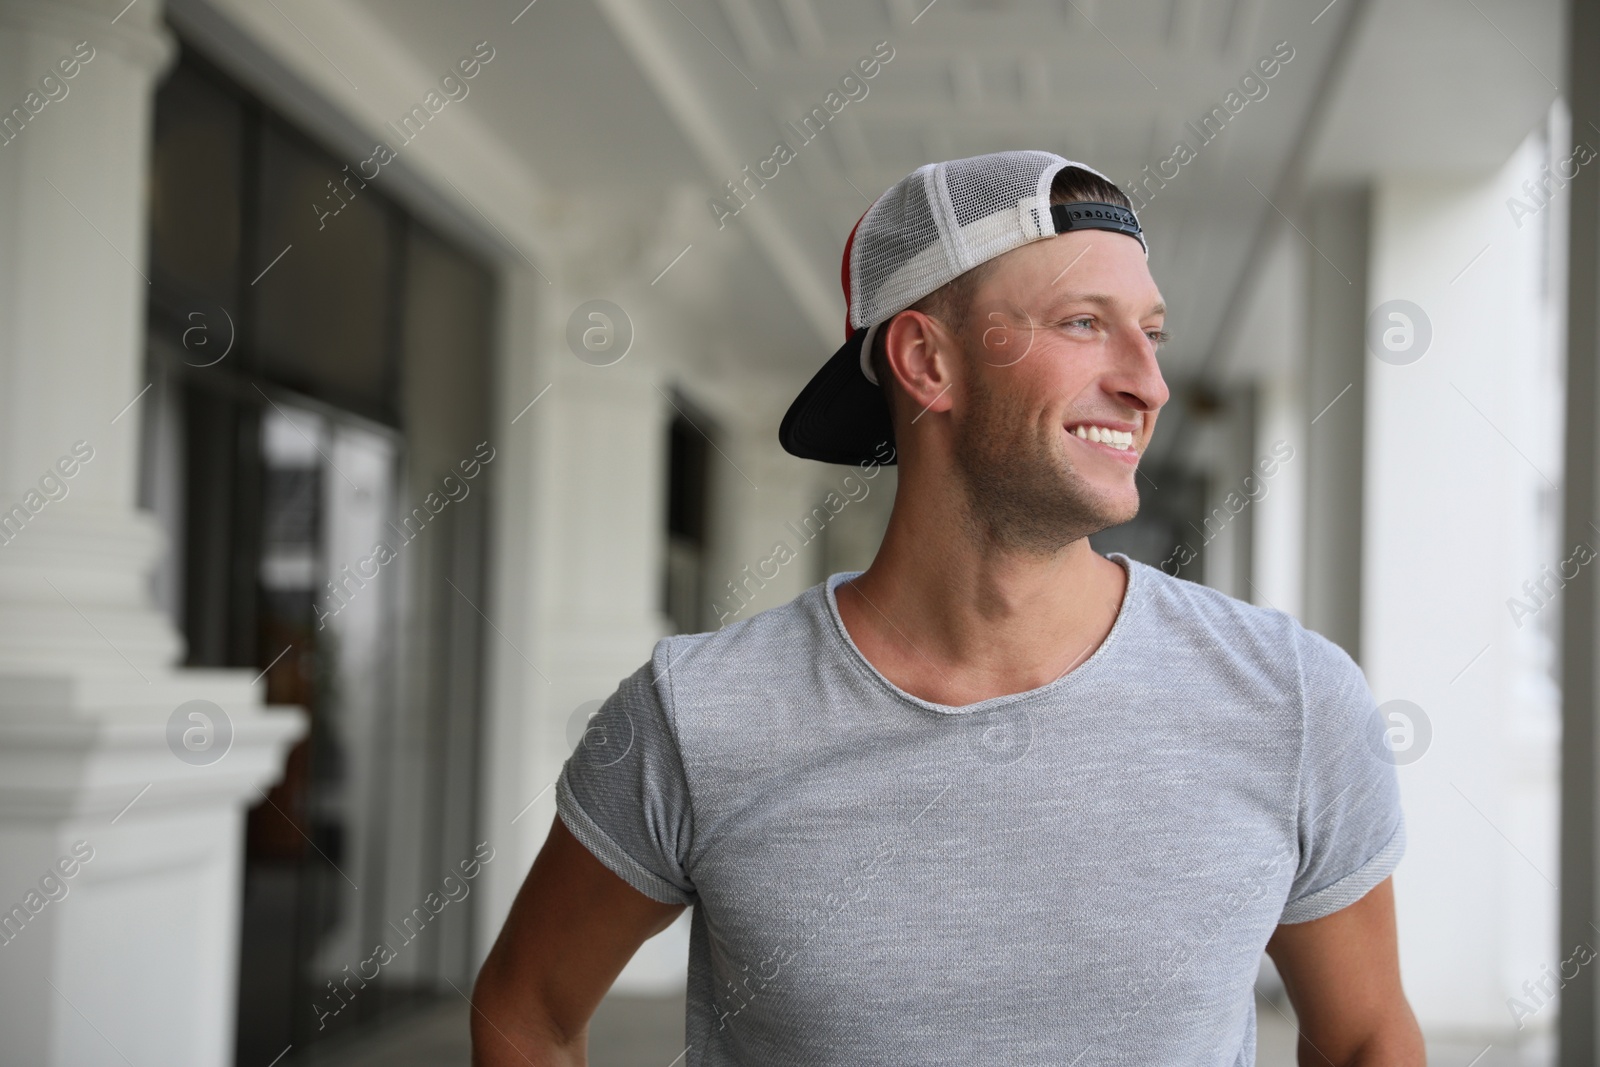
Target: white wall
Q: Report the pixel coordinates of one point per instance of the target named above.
(1460, 445)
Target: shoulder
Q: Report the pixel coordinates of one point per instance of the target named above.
(751, 655)
(1198, 609)
(1270, 645)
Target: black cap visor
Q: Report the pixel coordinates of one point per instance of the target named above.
(840, 416)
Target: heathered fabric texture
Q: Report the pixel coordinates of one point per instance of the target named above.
(1084, 873)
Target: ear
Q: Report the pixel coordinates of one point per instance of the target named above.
(921, 355)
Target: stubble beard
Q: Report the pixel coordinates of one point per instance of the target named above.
(1022, 493)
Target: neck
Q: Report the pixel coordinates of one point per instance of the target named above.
(950, 616)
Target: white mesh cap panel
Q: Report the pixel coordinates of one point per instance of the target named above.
(942, 220)
(981, 196)
(897, 251)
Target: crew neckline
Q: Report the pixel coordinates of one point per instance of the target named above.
(1050, 688)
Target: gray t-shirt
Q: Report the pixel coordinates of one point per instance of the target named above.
(1083, 873)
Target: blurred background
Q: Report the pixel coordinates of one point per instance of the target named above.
(379, 380)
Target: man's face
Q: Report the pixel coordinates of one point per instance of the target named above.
(1060, 349)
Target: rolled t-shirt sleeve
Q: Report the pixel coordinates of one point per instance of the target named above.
(624, 795)
(1351, 829)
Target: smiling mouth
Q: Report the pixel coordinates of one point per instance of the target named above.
(1121, 440)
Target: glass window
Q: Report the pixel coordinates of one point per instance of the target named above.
(195, 194)
(320, 320)
(444, 335)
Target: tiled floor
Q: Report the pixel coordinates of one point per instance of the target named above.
(1276, 1038)
(625, 1032)
(647, 1032)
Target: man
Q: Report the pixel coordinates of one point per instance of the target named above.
(997, 799)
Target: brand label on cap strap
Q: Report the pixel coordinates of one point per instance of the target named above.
(1096, 216)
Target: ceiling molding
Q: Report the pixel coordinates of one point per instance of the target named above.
(638, 26)
(801, 18)
(746, 25)
(1284, 196)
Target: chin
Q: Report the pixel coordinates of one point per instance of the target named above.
(1114, 508)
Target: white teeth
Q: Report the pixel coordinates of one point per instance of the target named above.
(1121, 440)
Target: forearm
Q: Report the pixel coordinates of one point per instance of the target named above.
(1342, 973)
(510, 1029)
(500, 1041)
(1396, 1043)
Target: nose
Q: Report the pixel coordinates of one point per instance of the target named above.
(1136, 376)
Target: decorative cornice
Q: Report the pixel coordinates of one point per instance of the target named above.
(136, 33)
(76, 765)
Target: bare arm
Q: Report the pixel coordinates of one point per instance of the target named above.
(1342, 972)
(571, 930)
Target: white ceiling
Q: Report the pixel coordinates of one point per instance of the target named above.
(656, 103)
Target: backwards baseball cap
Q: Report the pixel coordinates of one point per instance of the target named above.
(929, 228)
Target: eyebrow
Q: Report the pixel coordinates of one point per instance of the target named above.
(1103, 300)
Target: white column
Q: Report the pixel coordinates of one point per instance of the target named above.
(1461, 470)
(769, 543)
(580, 520)
(1279, 537)
(1334, 436)
(516, 757)
(137, 961)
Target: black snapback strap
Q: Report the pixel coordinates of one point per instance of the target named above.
(1094, 215)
